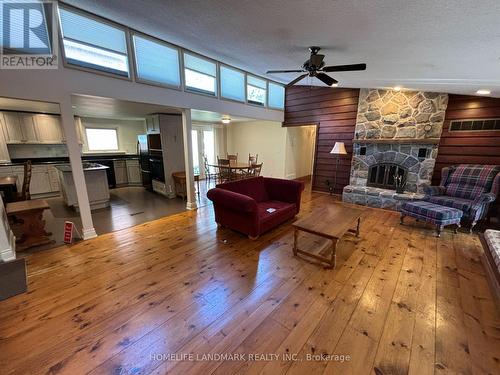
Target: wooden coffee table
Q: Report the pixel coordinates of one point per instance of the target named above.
(331, 223)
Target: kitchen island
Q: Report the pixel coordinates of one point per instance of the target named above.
(95, 179)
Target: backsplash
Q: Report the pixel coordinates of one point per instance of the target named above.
(26, 151)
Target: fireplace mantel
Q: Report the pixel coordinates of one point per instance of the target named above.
(405, 141)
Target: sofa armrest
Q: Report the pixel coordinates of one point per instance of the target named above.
(434, 190)
(484, 199)
(231, 200)
(284, 190)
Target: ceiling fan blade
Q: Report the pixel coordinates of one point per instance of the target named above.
(344, 68)
(325, 78)
(302, 76)
(285, 71)
(316, 60)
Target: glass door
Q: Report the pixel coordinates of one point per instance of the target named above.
(203, 146)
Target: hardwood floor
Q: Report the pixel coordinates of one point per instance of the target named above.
(399, 301)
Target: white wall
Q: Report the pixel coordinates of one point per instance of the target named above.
(299, 156)
(127, 131)
(172, 143)
(265, 138)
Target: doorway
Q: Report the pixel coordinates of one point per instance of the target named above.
(203, 146)
(300, 150)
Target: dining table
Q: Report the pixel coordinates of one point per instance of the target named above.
(232, 165)
(8, 188)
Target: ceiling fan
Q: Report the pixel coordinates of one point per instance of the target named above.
(315, 67)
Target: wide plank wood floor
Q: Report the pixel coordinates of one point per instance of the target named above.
(399, 301)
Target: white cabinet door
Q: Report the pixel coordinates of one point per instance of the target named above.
(48, 129)
(53, 179)
(134, 172)
(19, 172)
(120, 172)
(27, 122)
(40, 182)
(12, 128)
(4, 151)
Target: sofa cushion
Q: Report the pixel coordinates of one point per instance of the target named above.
(468, 181)
(268, 220)
(252, 187)
(492, 238)
(435, 212)
(459, 203)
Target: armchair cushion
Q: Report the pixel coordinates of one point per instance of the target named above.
(469, 181)
(434, 190)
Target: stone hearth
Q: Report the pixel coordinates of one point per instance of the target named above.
(401, 128)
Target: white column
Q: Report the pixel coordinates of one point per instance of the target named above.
(68, 123)
(188, 158)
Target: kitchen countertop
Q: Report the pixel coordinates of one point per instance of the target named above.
(65, 160)
(86, 167)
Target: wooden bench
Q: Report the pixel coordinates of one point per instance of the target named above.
(26, 221)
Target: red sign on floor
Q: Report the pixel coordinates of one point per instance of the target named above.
(68, 231)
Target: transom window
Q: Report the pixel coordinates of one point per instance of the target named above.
(232, 84)
(156, 62)
(200, 74)
(256, 90)
(100, 139)
(93, 44)
(276, 96)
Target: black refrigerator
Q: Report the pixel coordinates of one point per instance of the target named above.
(144, 164)
(150, 154)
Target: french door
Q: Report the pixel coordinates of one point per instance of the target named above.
(203, 145)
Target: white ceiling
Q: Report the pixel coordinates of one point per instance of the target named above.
(99, 107)
(448, 45)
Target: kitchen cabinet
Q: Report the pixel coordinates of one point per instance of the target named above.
(18, 170)
(120, 172)
(19, 127)
(12, 128)
(4, 151)
(28, 128)
(134, 172)
(40, 183)
(153, 124)
(53, 179)
(48, 129)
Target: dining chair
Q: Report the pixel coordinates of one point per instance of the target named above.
(256, 169)
(209, 174)
(24, 194)
(233, 157)
(253, 159)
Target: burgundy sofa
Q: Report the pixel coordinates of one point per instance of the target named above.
(242, 205)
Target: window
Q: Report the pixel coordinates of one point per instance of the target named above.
(200, 74)
(156, 62)
(93, 44)
(99, 139)
(232, 84)
(256, 90)
(276, 96)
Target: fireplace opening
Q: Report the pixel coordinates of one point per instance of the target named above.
(383, 175)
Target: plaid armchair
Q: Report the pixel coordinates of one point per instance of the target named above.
(470, 188)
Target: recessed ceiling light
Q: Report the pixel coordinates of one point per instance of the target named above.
(334, 85)
(226, 120)
(397, 88)
(483, 92)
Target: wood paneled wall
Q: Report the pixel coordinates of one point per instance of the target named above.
(334, 112)
(475, 147)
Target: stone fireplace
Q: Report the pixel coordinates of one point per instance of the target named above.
(397, 134)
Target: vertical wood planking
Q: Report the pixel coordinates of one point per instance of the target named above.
(335, 111)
